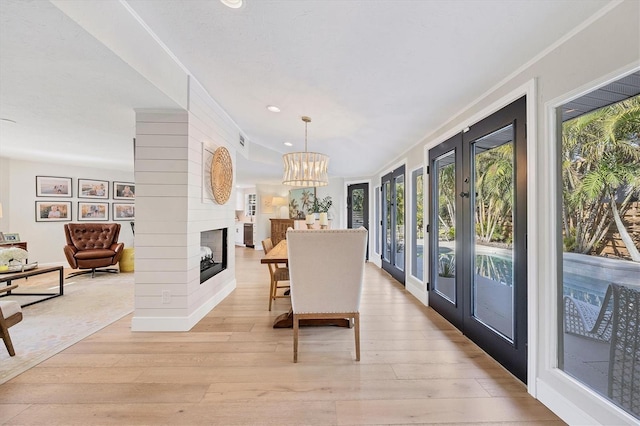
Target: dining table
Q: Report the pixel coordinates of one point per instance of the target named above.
(279, 254)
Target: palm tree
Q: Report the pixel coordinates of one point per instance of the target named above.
(447, 199)
(601, 174)
(306, 201)
(494, 192)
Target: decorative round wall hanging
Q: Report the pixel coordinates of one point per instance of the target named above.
(221, 175)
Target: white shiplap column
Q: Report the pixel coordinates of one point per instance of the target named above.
(161, 174)
(173, 206)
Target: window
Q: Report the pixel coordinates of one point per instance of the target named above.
(599, 163)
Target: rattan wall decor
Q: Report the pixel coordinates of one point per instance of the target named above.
(221, 175)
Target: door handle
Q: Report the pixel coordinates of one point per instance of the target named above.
(464, 194)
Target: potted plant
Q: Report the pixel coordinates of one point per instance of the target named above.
(321, 206)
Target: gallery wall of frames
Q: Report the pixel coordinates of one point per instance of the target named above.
(97, 200)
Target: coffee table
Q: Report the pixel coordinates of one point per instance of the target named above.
(7, 278)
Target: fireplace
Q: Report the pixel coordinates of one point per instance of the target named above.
(213, 253)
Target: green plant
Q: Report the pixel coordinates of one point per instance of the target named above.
(446, 266)
(321, 206)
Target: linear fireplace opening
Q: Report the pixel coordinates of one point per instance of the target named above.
(213, 253)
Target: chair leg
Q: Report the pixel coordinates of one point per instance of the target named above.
(271, 291)
(4, 333)
(92, 272)
(356, 331)
(296, 328)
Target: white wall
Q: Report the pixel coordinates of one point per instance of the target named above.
(262, 222)
(335, 190)
(5, 177)
(45, 240)
(594, 54)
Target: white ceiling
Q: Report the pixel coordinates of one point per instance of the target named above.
(375, 76)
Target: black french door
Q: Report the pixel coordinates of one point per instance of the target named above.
(358, 207)
(477, 212)
(393, 224)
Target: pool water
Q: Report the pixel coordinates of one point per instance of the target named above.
(585, 278)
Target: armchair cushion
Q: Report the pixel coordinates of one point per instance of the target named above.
(10, 315)
(9, 308)
(95, 254)
(92, 236)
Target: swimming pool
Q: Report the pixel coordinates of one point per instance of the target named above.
(584, 277)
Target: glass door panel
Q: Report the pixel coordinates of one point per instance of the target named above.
(399, 222)
(358, 207)
(386, 221)
(444, 282)
(417, 237)
(446, 266)
(492, 202)
(393, 250)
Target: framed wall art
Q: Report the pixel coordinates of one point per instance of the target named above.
(52, 186)
(301, 202)
(124, 191)
(88, 188)
(11, 238)
(124, 211)
(93, 211)
(53, 211)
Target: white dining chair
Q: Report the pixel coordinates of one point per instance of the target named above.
(326, 272)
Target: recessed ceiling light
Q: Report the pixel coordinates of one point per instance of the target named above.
(288, 144)
(273, 108)
(233, 4)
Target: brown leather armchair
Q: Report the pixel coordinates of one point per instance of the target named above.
(91, 246)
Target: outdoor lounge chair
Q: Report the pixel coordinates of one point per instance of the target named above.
(624, 359)
(587, 320)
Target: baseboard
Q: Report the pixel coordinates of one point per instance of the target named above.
(417, 291)
(562, 407)
(562, 401)
(182, 323)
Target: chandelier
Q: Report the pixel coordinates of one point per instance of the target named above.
(305, 168)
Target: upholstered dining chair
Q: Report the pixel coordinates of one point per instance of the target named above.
(326, 270)
(277, 273)
(10, 315)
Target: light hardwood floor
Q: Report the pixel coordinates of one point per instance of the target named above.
(233, 368)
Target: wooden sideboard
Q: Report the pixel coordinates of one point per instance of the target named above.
(20, 244)
(279, 229)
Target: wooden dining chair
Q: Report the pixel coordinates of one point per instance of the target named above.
(326, 269)
(277, 274)
(10, 315)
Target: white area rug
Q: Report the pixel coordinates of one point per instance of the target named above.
(47, 328)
